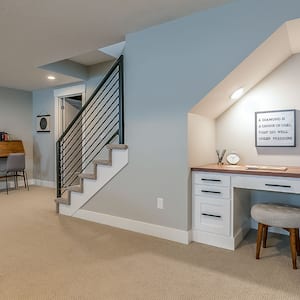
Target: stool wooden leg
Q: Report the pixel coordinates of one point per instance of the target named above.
(293, 246)
(297, 241)
(258, 239)
(265, 235)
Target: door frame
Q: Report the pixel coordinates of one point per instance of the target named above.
(59, 93)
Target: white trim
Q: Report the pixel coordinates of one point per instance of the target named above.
(21, 182)
(67, 91)
(241, 233)
(11, 184)
(167, 233)
(190, 236)
(50, 184)
(213, 239)
(38, 182)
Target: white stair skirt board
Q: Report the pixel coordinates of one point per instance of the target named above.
(92, 186)
(167, 233)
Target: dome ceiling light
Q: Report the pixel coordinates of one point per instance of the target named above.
(237, 94)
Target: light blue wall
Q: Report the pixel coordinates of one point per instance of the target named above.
(15, 118)
(168, 69)
(43, 142)
(43, 103)
(96, 74)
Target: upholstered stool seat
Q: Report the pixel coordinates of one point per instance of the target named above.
(277, 215)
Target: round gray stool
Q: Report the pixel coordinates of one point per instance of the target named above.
(277, 215)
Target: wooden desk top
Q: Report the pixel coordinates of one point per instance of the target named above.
(251, 170)
(7, 147)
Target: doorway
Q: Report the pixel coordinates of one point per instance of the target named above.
(69, 108)
(68, 102)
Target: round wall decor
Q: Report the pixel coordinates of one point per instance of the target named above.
(43, 123)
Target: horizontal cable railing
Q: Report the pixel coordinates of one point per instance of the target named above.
(98, 123)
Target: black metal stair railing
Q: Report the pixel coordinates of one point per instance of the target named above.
(100, 121)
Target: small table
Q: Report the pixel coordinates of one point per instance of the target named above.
(7, 147)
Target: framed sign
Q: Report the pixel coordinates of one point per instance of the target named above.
(275, 128)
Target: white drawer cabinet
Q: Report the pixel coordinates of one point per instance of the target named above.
(267, 183)
(211, 191)
(213, 179)
(222, 201)
(211, 205)
(212, 215)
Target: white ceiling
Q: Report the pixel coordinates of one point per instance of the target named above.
(35, 33)
(91, 58)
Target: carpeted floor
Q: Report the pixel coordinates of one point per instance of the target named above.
(46, 256)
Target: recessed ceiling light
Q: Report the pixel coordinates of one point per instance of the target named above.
(50, 77)
(237, 94)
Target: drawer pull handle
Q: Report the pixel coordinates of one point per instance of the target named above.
(210, 215)
(213, 180)
(278, 185)
(211, 192)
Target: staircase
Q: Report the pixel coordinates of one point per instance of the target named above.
(91, 151)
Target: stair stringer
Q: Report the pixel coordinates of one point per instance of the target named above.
(91, 186)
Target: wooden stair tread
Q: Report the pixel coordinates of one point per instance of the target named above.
(62, 201)
(105, 162)
(117, 146)
(87, 175)
(74, 188)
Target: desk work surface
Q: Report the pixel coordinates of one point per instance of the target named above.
(263, 170)
(7, 147)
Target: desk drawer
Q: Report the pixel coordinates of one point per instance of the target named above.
(212, 215)
(267, 183)
(210, 178)
(211, 191)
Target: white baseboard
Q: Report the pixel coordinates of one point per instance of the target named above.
(21, 182)
(190, 236)
(12, 185)
(167, 233)
(228, 242)
(213, 239)
(50, 184)
(241, 233)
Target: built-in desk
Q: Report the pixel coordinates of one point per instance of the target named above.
(7, 147)
(221, 199)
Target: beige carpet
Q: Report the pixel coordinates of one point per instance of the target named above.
(46, 256)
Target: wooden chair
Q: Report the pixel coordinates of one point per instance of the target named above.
(277, 215)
